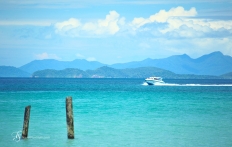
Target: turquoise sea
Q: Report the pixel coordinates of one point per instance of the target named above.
(117, 112)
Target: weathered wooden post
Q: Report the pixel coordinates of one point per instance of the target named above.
(69, 118)
(26, 121)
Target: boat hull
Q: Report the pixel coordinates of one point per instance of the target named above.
(149, 83)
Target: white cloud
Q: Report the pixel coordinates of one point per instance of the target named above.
(108, 26)
(46, 56)
(174, 23)
(89, 26)
(162, 16)
(62, 27)
(197, 27)
(180, 23)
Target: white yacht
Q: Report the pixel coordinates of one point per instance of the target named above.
(154, 80)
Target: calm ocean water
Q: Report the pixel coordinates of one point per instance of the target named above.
(117, 112)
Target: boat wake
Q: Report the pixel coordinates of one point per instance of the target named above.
(172, 84)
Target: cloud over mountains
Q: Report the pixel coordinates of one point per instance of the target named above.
(74, 27)
(112, 31)
(175, 23)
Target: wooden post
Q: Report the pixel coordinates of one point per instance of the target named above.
(26, 121)
(69, 118)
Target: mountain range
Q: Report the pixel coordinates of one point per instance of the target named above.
(10, 71)
(213, 64)
(59, 65)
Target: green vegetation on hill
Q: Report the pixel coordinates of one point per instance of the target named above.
(108, 72)
(143, 72)
(66, 73)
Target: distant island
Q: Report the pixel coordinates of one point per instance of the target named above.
(108, 72)
(211, 66)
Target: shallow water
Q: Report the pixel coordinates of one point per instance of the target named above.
(117, 112)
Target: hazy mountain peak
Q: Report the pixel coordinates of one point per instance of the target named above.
(211, 55)
(214, 63)
(10, 71)
(185, 56)
(216, 53)
(60, 65)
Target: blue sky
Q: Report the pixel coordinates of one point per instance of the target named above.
(112, 31)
